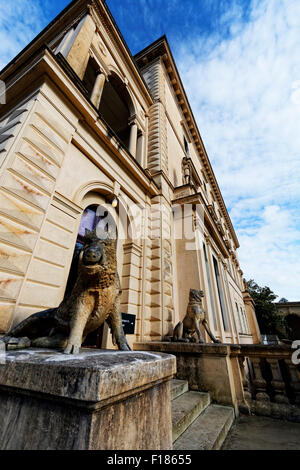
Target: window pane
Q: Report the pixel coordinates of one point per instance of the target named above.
(210, 288)
(221, 295)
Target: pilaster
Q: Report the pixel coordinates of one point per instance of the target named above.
(78, 55)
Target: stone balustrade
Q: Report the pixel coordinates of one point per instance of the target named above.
(253, 378)
(271, 381)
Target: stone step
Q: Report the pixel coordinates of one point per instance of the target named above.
(185, 409)
(178, 387)
(208, 431)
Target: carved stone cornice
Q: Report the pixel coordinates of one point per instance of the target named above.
(212, 212)
(104, 21)
(207, 240)
(220, 228)
(228, 244)
(225, 266)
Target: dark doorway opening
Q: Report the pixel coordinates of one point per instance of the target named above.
(93, 217)
(116, 108)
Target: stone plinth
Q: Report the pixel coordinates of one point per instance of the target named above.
(212, 368)
(94, 400)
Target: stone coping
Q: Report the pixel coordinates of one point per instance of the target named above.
(224, 349)
(91, 376)
(264, 350)
(189, 348)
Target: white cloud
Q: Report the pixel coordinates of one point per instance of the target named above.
(20, 22)
(245, 93)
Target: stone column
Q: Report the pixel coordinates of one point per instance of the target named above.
(98, 89)
(140, 149)
(63, 47)
(77, 53)
(133, 138)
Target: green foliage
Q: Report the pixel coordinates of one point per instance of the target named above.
(270, 323)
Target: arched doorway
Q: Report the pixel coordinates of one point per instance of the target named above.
(293, 322)
(94, 217)
(116, 107)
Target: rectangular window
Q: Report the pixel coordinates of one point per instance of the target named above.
(221, 295)
(213, 307)
(239, 317)
(229, 266)
(246, 325)
(186, 146)
(231, 314)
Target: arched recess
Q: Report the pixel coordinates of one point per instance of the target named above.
(97, 208)
(293, 322)
(117, 107)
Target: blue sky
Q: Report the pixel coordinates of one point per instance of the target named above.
(239, 61)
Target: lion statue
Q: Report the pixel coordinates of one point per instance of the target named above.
(187, 329)
(94, 299)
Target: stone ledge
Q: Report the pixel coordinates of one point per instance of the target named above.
(189, 348)
(91, 376)
(96, 400)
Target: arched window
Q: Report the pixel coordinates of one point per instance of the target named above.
(116, 107)
(93, 217)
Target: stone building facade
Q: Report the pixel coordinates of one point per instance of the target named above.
(290, 311)
(87, 125)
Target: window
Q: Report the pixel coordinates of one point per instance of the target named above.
(210, 288)
(221, 295)
(231, 315)
(246, 325)
(186, 146)
(229, 266)
(91, 219)
(239, 317)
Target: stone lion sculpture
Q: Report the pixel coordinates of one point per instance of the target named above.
(95, 298)
(187, 329)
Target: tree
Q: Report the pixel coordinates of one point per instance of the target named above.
(270, 323)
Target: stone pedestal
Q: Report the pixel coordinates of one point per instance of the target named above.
(212, 368)
(95, 400)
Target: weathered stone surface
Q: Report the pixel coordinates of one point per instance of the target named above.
(209, 368)
(178, 387)
(95, 400)
(208, 431)
(260, 433)
(185, 409)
